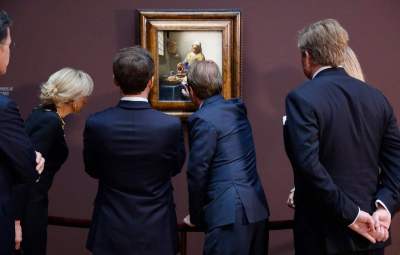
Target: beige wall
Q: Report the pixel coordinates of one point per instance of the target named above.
(211, 43)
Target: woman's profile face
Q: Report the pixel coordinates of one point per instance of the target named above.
(196, 48)
(80, 103)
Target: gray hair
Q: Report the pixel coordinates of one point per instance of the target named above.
(205, 79)
(66, 85)
(326, 42)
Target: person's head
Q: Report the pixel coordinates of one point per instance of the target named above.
(5, 41)
(204, 80)
(68, 88)
(351, 64)
(133, 69)
(196, 47)
(322, 44)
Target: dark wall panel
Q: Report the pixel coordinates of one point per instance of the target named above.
(86, 34)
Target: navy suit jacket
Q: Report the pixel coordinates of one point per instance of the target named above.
(222, 165)
(17, 166)
(133, 151)
(343, 142)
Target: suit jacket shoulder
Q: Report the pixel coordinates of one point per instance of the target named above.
(215, 113)
(161, 119)
(45, 129)
(98, 116)
(46, 119)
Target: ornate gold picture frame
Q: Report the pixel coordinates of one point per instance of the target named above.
(177, 38)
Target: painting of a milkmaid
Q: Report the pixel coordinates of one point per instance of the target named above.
(177, 50)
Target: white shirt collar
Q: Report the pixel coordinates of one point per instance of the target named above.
(322, 68)
(134, 99)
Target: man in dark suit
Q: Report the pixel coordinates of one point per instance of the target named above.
(17, 156)
(343, 141)
(133, 151)
(225, 193)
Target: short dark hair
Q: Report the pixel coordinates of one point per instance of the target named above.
(5, 23)
(133, 67)
(205, 79)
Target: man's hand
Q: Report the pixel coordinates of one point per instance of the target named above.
(290, 200)
(39, 162)
(18, 235)
(186, 220)
(365, 226)
(185, 91)
(382, 220)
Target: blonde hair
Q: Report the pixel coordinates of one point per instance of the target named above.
(325, 41)
(66, 85)
(351, 65)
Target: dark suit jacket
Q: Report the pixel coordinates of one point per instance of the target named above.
(339, 133)
(133, 151)
(45, 130)
(222, 165)
(17, 166)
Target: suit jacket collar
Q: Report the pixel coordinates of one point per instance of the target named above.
(331, 71)
(212, 100)
(133, 104)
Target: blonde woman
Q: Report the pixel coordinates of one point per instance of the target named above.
(64, 93)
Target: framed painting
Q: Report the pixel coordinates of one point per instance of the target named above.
(176, 39)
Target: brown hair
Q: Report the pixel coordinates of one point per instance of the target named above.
(133, 67)
(5, 23)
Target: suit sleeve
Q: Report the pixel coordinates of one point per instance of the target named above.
(180, 152)
(203, 141)
(389, 191)
(89, 150)
(15, 145)
(303, 140)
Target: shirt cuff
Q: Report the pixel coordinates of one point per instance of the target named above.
(380, 203)
(358, 214)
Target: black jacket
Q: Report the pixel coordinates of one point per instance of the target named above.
(45, 129)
